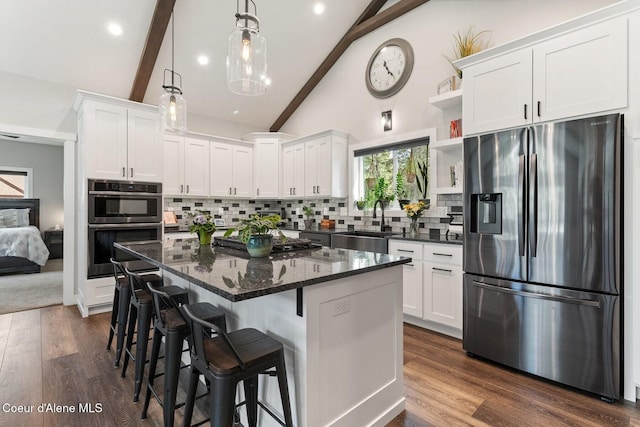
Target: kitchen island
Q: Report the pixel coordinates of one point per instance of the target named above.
(338, 313)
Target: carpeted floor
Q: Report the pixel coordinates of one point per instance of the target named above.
(19, 292)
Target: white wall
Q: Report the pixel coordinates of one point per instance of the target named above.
(47, 162)
(341, 100)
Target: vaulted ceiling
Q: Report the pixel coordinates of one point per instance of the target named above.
(68, 42)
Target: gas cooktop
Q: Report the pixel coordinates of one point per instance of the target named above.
(292, 244)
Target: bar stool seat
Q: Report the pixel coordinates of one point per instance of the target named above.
(227, 359)
(170, 324)
(120, 307)
(140, 315)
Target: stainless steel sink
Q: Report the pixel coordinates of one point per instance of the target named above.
(371, 241)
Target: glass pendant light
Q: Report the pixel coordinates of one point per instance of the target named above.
(246, 54)
(172, 105)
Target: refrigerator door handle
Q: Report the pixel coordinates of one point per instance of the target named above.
(558, 298)
(533, 205)
(521, 203)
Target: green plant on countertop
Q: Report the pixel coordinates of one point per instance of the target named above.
(308, 211)
(466, 43)
(423, 179)
(257, 225)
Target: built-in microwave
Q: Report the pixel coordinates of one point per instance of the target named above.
(118, 202)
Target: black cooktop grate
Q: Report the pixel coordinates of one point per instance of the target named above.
(292, 244)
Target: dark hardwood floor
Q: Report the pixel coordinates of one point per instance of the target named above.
(53, 356)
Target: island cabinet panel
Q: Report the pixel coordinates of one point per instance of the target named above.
(187, 166)
(122, 143)
(231, 170)
(583, 71)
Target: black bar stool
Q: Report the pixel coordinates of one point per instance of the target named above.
(168, 322)
(140, 314)
(120, 308)
(228, 359)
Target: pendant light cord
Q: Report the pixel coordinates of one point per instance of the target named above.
(172, 46)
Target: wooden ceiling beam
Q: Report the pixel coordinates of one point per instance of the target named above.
(157, 29)
(370, 11)
(368, 21)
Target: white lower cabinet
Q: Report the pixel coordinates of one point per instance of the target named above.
(432, 285)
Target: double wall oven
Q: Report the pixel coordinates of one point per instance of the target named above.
(121, 211)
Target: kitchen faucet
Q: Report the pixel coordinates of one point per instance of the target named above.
(383, 227)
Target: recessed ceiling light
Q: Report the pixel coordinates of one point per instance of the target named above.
(115, 28)
(203, 60)
(236, 112)
(318, 8)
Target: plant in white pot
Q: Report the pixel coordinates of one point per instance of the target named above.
(257, 233)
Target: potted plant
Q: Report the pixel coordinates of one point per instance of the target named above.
(257, 233)
(466, 43)
(202, 224)
(423, 180)
(401, 191)
(360, 204)
(383, 192)
(308, 213)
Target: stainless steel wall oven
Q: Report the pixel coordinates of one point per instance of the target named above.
(121, 211)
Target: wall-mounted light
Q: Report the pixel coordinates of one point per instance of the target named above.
(386, 120)
(246, 54)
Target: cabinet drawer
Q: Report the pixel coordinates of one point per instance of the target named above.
(448, 254)
(412, 250)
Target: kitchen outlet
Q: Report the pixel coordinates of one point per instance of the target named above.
(344, 212)
(442, 211)
(341, 307)
(220, 211)
(297, 211)
(325, 211)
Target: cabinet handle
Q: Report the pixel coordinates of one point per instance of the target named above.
(538, 108)
(405, 250)
(438, 254)
(235, 191)
(257, 191)
(290, 191)
(181, 188)
(318, 189)
(441, 269)
(131, 172)
(294, 191)
(229, 190)
(187, 188)
(123, 171)
(409, 264)
(525, 111)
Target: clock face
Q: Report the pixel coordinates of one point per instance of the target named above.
(389, 68)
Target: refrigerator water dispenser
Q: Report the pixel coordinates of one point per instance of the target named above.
(486, 213)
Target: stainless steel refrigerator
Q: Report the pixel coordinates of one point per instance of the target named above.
(542, 251)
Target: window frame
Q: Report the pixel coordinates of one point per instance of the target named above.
(356, 172)
(28, 191)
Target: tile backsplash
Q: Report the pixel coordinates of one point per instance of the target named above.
(233, 210)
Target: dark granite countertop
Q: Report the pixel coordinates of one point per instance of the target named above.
(235, 276)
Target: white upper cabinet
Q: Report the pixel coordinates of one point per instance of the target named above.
(316, 166)
(267, 163)
(579, 72)
(231, 172)
(120, 142)
(186, 166)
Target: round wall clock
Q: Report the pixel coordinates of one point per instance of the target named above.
(389, 68)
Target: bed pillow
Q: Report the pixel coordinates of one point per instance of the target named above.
(15, 217)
